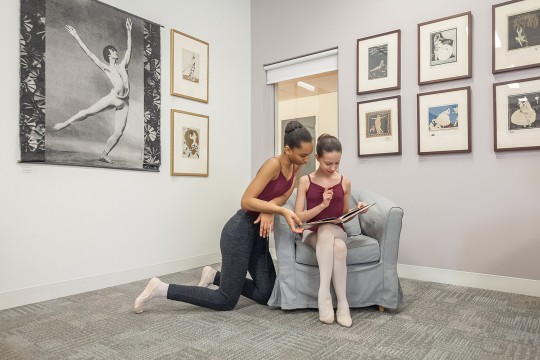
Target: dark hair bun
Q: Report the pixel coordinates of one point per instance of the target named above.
(293, 125)
(294, 139)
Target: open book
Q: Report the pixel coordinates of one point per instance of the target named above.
(349, 215)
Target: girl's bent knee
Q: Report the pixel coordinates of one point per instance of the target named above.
(340, 248)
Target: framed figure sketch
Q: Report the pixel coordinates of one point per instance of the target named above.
(444, 121)
(189, 67)
(445, 49)
(379, 127)
(189, 143)
(516, 35)
(378, 62)
(516, 110)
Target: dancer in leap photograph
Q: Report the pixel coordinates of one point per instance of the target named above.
(117, 99)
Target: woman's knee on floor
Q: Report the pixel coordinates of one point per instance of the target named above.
(227, 304)
(262, 297)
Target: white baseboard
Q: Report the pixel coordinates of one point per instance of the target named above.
(19, 297)
(475, 280)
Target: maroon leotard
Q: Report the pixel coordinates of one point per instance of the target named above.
(314, 196)
(274, 189)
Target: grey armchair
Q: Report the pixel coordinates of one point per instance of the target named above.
(371, 259)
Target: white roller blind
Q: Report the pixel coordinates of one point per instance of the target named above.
(303, 66)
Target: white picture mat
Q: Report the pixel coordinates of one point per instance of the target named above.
(505, 137)
(364, 84)
(508, 59)
(183, 165)
(444, 140)
(448, 70)
(378, 144)
(180, 85)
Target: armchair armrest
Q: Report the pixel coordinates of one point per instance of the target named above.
(284, 241)
(284, 294)
(383, 223)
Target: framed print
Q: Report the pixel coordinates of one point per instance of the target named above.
(90, 91)
(445, 49)
(189, 143)
(516, 114)
(444, 121)
(379, 127)
(516, 35)
(378, 60)
(189, 67)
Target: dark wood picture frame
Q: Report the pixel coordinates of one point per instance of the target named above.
(524, 110)
(428, 51)
(394, 64)
(436, 127)
(498, 46)
(397, 125)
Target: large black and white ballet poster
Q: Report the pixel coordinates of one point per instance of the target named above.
(90, 86)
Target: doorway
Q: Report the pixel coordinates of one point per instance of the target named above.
(312, 101)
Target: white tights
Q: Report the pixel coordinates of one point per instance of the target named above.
(330, 246)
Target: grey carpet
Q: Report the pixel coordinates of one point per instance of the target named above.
(437, 321)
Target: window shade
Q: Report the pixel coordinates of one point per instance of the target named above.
(311, 64)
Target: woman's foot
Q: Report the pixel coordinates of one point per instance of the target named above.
(326, 311)
(207, 276)
(155, 288)
(344, 316)
(105, 158)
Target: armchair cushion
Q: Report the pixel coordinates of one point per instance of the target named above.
(352, 228)
(361, 249)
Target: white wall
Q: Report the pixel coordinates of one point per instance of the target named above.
(72, 229)
(475, 212)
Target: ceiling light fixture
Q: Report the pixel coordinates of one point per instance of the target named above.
(306, 86)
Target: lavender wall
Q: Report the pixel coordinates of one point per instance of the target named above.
(474, 212)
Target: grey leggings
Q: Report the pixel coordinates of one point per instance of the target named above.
(242, 250)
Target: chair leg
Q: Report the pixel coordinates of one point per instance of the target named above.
(381, 308)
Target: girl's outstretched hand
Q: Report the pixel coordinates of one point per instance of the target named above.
(293, 221)
(129, 24)
(267, 224)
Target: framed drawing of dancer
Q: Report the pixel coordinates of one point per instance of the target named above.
(445, 49)
(189, 143)
(516, 110)
(379, 127)
(516, 35)
(444, 121)
(95, 101)
(189, 67)
(378, 60)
